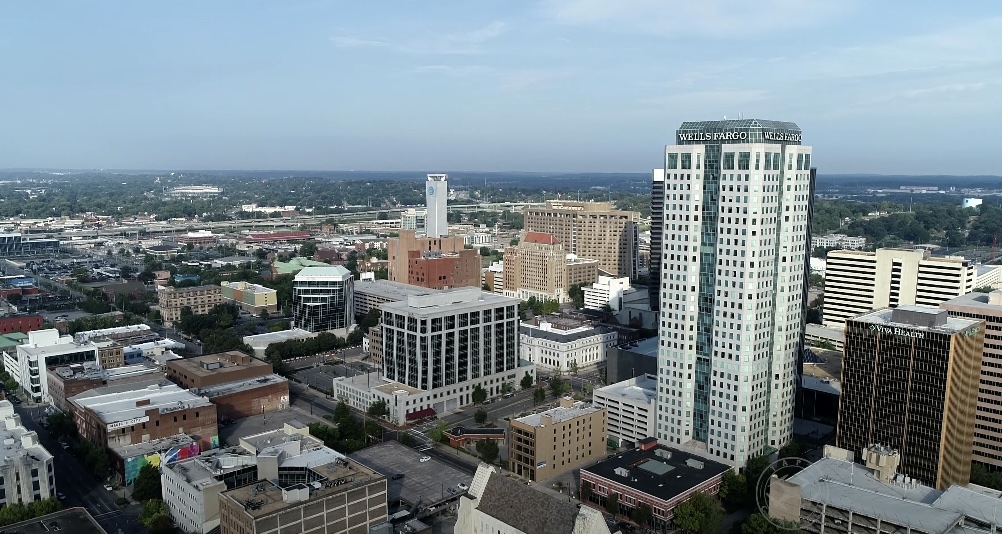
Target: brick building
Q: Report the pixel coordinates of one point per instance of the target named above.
(551, 443)
(20, 323)
(239, 385)
(443, 270)
(72, 380)
(118, 415)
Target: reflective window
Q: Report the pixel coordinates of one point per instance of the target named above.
(672, 162)
(744, 160)
(686, 161)
(728, 163)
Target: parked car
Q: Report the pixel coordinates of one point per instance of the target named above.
(462, 486)
(397, 476)
(425, 459)
(108, 487)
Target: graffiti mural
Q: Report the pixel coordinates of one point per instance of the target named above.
(133, 465)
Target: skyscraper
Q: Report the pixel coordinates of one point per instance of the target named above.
(323, 299)
(657, 229)
(591, 230)
(436, 197)
(735, 235)
(910, 382)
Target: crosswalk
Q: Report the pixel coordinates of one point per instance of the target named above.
(423, 442)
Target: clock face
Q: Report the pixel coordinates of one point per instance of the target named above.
(431, 190)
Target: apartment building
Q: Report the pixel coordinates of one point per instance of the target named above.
(492, 277)
(988, 417)
(909, 378)
(607, 291)
(29, 363)
(398, 251)
(591, 230)
(414, 219)
(26, 467)
(541, 266)
(631, 409)
(857, 282)
(562, 344)
(252, 298)
(553, 442)
(201, 300)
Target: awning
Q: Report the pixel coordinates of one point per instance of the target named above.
(420, 414)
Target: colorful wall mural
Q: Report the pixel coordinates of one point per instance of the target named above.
(132, 466)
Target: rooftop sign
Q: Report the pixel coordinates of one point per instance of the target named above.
(767, 135)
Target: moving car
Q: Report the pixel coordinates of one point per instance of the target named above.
(425, 459)
(108, 487)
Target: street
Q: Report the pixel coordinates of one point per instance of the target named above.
(78, 486)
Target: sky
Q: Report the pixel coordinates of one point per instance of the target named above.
(889, 87)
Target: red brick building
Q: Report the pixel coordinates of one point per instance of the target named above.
(443, 270)
(239, 385)
(21, 323)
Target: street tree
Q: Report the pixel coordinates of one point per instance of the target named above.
(480, 416)
(644, 515)
(147, 484)
(701, 513)
(557, 386)
(526, 382)
(612, 503)
(378, 409)
(538, 396)
(152, 509)
(734, 488)
(488, 449)
(479, 394)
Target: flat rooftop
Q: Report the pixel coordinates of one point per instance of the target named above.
(663, 472)
(336, 475)
(210, 364)
(279, 437)
(321, 273)
(559, 414)
(75, 520)
(931, 319)
(263, 340)
(237, 386)
(644, 347)
(643, 389)
(12, 429)
(423, 482)
(154, 446)
(201, 470)
(448, 301)
(391, 291)
(118, 403)
(836, 334)
(82, 372)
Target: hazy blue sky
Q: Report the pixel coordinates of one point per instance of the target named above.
(553, 85)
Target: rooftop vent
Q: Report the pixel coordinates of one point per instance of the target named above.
(695, 464)
(662, 453)
(622, 471)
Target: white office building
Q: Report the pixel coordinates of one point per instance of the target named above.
(607, 291)
(437, 349)
(858, 282)
(26, 471)
(630, 407)
(838, 241)
(323, 299)
(28, 364)
(191, 487)
(413, 219)
(558, 344)
(737, 194)
(437, 198)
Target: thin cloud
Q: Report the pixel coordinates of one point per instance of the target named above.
(454, 43)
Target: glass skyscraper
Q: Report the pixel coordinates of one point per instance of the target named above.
(734, 243)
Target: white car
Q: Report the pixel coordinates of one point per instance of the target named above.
(425, 459)
(108, 487)
(462, 486)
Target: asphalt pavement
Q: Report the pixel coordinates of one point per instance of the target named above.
(78, 486)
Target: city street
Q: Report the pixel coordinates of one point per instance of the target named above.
(79, 487)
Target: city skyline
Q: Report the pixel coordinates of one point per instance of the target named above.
(340, 86)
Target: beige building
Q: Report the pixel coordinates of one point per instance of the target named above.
(540, 266)
(321, 491)
(201, 299)
(591, 230)
(252, 298)
(551, 443)
(858, 282)
(987, 422)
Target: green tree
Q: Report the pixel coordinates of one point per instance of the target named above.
(342, 412)
(437, 433)
(643, 515)
(527, 381)
(480, 416)
(576, 293)
(612, 503)
(734, 488)
(479, 394)
(550, 306)
(700, 514)
(488, 449)
(557, 386)
(378, 409)
(147, 484)
(151, 510)
(574, 367)
(308, 249)
(538, 396)
(757, 523)
(753, 471)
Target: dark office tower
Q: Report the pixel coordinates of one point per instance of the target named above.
(657, 230)
(735, 239)
(910, 382)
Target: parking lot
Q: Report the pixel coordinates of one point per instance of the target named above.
(423, 483)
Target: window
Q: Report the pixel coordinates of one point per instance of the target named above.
(728, 164)
(807, 162)
(800, 162)
(777, 161)
(672, 161)
(686, 161)
(758, 157)
(744, 159)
